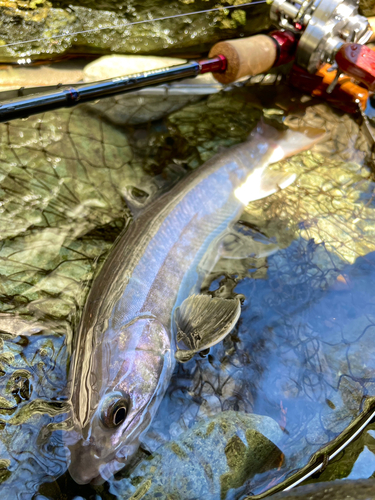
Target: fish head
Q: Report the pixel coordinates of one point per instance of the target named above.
(115, 400)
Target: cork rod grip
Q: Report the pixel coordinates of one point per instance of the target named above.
(245, 57)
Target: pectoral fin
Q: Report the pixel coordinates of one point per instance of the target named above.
(235, 245)
(203, 321)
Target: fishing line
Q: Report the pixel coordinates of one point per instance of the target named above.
(53, 37)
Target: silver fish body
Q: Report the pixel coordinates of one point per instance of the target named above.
(126, 344)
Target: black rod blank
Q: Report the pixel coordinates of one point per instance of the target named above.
(68, 96)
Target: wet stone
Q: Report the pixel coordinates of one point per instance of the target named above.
(213, 459)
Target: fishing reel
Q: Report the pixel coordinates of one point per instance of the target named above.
(313, 33)
(332, 35)
(324, 27)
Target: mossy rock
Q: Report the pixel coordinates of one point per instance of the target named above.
(215, 456)
(69, 28)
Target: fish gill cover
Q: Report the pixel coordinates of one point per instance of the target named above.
(302, 353)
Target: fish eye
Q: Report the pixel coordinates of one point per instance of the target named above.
(114, 412)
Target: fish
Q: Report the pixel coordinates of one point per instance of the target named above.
(145, 311)
(359, 489)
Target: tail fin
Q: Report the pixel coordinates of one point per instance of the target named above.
(262, 182)
(295, 141)
(286, 143)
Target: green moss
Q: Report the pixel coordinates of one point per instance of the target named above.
(4, 472)
(235, 452)
(140, 493)
(210, 428)
(224, 426)
(178, 451)
(259, 455)
(239, 16)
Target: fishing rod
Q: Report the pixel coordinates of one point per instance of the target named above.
(312, 32)
(234, 63)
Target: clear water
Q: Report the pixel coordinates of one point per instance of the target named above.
(302, 352)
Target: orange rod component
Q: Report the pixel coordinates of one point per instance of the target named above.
(350, 90)
(346, 95)
(357, 61)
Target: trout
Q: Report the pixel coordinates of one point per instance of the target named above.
(145, 309)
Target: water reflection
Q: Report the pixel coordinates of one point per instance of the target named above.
(32, 386)
(292, 357)
(357, 461)
(302, 351)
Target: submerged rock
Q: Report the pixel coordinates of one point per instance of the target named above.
(72, 26)
(208, 461)
(33, 376)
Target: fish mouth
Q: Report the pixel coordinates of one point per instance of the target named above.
(82, 477)
(82, 471)
(85, 465)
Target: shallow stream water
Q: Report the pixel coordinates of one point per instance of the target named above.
(302, 352)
